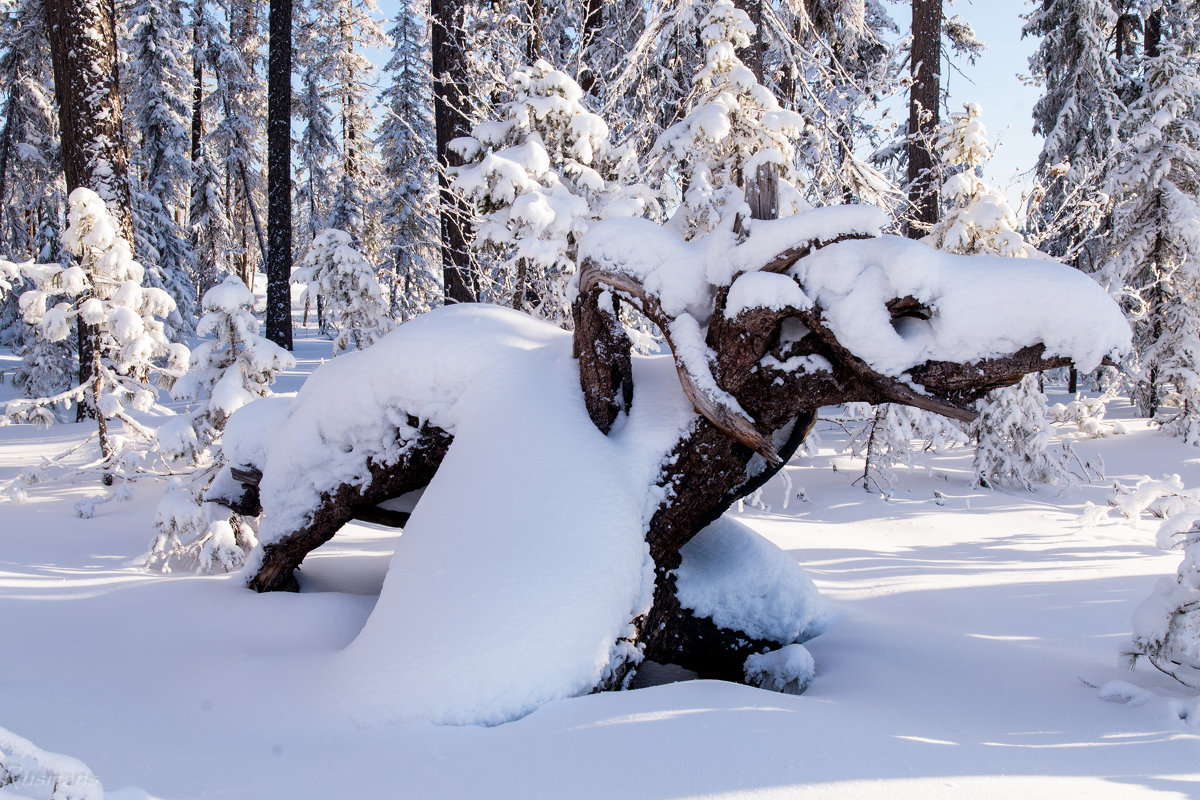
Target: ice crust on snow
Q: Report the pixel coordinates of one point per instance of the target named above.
(491, 608)
(743, 582)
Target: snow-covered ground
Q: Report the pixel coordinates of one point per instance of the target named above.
(972, 633)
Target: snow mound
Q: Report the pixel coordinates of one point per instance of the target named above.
(789, 669)
(744, 582)
(491, 607)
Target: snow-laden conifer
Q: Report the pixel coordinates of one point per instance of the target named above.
(1155, 239)
(535, 178)
(734, 125)
(233, 366)
(1012, 433)
(336, 272)
(1078, 114)
(32, 189)
(160, 100)
(102, 290)
(407, 207)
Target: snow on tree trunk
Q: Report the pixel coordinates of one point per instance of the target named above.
(924, 104)
(449, 84)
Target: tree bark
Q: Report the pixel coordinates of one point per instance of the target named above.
(923, 109)
(83, 52)
(413, 471)
(279, 175)
(450, 122)
(197, 94)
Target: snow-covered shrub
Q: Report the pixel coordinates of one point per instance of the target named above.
(537, 175)
(979, 219)
(346, 283)
(887, 436)
(1087, 415)
(26, 766)
(102, 290)
(229, 370)
(1166, 625)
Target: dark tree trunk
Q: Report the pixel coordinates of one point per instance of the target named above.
(923, 109)
(412, 472)
(83, 52)
(279, 175)
(449, 86)
(533, 42)
(752, 56)
(197, 94)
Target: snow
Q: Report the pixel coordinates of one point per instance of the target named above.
(542, 599)
(744, 582)
(967, 635)
(983, 306)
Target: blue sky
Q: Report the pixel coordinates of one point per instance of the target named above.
(993, 83)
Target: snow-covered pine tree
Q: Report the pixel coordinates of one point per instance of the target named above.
(347, 29)
(316, 144)
(237, 105)
(535, 177)
(1078, 114)
(1012, 432)
(229, 369)
(407, 206)
(334, 270)
(1155, 239)
(159, 74)
(830, 60)
(32, 190)
(103, 290)
(210, 234)
(733, 126)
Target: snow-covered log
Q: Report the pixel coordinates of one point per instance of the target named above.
(563, 492)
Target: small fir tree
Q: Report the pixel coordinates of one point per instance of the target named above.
(346, 283)
(226, 371)
(102, 290)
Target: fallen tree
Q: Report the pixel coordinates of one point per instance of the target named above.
(812, 310)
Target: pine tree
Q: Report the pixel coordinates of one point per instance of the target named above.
(316, 144)
(103, 291)
(159, 74)
(1012, 432)
(733, 126)
(1155, 240)
(349, 29)
(237, 105)
(336, 272)
(1078, 114)
(31, 183)
(210, 234)
(406, 208)
(536, 180)
(228, 370)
